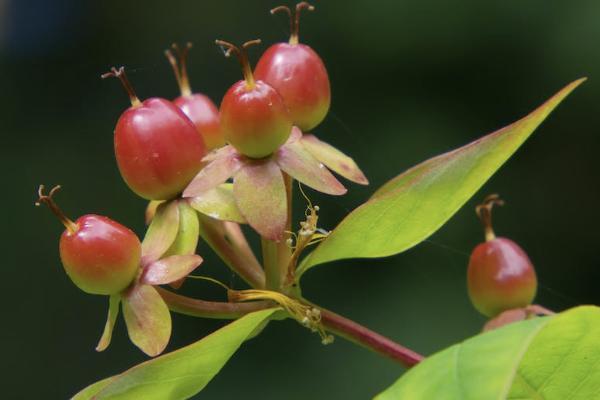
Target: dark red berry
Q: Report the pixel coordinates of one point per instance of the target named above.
(254, 117)
(500, 276)
(100, 255)
(199, 108)
(297, 72)
(157, 147)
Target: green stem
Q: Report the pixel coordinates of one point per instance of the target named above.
(209, 309)
(270, 262)
(276, 255)
(229, 242)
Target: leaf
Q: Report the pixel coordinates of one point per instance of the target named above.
(225, 164)
(170, 269)
(218, 203)
(92, 390)
(161, 233)
(563, 361)
(111, 319)
(334, 159)
(412, 206)
(147, 318)
(188, 231)
(297, 162)
(489, 365)
(261, 197)
(184, 372)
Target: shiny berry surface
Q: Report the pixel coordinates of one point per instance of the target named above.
(297, 72)
(255, 120)
(158, 149)
(204, 114)
(101, 256)
(500, 277)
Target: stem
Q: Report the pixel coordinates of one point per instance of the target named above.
(229, 242)
(122, 76)
(365, 337)
(294, 18)
(270, 262)
(180, 67)
(277, 255)
(209, 309)
(484, 212)
(71, 226)
(242, 55)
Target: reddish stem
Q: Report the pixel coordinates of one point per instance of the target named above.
(49, 201)
(484, 212)
(179, 66)
(242, 56)
(294, 19)
(365, 337)
(120, 73)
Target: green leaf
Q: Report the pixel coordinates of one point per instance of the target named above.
(147, 318)
(184, 372)
(563, 361)
(412, 206)
(188, 231)
(218, 203)
(162, 232)
(90, 391)
(557, 353)
(111, 319)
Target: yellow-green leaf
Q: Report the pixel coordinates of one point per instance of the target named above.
(412, 206)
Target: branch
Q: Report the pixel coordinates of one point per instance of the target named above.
(365, 337)
(209, 309)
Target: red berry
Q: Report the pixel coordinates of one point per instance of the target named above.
(157, 147)
(500, 276)
(100, 255)
(198, 107)
(254, 117)
(297, 72)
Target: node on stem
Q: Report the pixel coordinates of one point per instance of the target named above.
(120, 73)
(242, 56)
(484, 212)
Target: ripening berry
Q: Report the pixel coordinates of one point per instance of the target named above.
(254, 117)
(198, 107)
(297, 72)
(100, 255)
(157, 147)
(500, 276)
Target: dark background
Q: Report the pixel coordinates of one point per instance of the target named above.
(410, 79)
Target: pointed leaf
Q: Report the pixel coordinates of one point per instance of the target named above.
(170, 269)
(225, 164)
(409, 208)
(147, 318)
(111, 319)
(541, 358)
(161, 233)
(296, 161)
(188, 231)
(184, 372)
(92, 390)
(218, 203)
(261, 197)
(334, 159)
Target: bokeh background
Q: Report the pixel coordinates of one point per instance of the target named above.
(410, 79)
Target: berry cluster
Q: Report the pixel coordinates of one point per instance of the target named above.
(205, 170)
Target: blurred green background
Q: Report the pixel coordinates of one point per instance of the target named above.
(410, 79)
